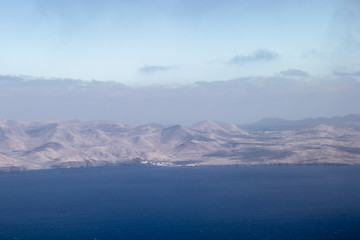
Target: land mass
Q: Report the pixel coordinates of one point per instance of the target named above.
(64, 144)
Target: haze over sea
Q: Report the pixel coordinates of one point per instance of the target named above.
(147, 202)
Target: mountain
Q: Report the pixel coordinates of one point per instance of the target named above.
(281, 124)
(62, 144)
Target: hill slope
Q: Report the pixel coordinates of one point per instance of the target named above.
(41, 145)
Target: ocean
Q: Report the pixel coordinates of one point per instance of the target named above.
(148, 202)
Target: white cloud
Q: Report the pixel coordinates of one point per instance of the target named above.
(154, 68)
(260, 55)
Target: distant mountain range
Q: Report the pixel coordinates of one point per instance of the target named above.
(281, 124)
(63, 144)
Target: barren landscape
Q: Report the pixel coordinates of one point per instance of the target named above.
(64, 144)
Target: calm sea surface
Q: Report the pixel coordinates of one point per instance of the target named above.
(262, 202)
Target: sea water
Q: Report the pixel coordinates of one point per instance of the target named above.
(146, 202)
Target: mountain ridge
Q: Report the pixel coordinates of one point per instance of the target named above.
(282, 124)
(53, 144)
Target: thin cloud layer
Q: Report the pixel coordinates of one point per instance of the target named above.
(260, 55)
(154, 68)
(347, 74)
(240, 100)
(10, 78)
(295, 73)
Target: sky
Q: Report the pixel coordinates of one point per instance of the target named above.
(185, 48)
(144, 42)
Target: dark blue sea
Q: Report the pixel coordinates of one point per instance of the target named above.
(143, 202)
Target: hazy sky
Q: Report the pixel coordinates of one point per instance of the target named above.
(242, 100)
(144, 42)
(179, 61)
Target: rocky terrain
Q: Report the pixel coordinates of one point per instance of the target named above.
(63, 144)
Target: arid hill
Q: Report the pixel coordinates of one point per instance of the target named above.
(54, 144)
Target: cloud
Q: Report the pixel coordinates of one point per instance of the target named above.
(238, 101)
(10, 78)
(295, 73)
(347, 74)
(260, 55)
(154, 68)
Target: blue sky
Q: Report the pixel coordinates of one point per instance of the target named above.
(145, 42)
